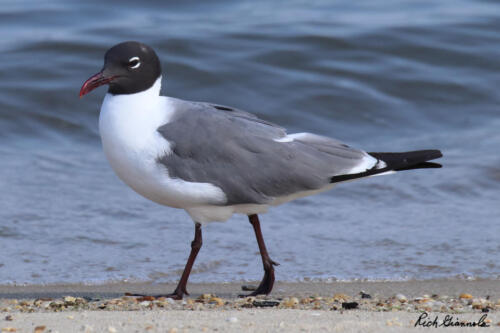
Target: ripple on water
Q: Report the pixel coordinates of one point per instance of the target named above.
(364, 72)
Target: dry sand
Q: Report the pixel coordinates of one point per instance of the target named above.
(229, 321)
(381, 313)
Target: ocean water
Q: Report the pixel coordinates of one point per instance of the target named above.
(379, 75)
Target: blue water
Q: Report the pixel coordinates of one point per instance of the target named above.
(379, 75)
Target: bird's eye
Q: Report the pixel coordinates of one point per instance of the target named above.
(134, 62)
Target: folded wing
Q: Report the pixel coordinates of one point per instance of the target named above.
(251, 160)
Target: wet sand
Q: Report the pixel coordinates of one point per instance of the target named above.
(410, 288)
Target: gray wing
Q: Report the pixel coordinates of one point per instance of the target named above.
(237, 152)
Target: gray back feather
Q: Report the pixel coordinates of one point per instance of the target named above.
(236, 151)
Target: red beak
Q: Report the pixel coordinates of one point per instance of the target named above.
(95, 81)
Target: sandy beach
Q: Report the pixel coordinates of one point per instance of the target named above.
(293, 307)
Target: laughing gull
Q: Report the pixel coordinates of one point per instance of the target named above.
(215, 161)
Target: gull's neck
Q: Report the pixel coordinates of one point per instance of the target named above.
(138, 113)
(149, 94)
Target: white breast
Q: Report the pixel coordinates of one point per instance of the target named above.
(128, 126)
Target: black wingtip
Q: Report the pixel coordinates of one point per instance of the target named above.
(409, 160)
(433, 154)
(423, 165)
(397, 162)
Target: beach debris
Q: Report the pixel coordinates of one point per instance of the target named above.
(217, 301)
(401, 298)
(57, 305)
(111, 329)
(477, 306)
(69, 300)
(232, 320)
(170, 300)
(437, 305)
(9, 329)
(421, 300)
(265, 303)
(290, 302)
(453, 304)
(205, 297)
(364, 295)
(248, 287)
(341, 297)
(465, 296)
(306, 300)
(39, 329)
(349, 305)
(45, 299)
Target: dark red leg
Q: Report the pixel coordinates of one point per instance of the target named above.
(180, 291)
(266, 285)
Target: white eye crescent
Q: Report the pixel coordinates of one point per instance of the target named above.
(134, 62)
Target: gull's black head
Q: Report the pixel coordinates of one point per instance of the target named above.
(129, 67)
